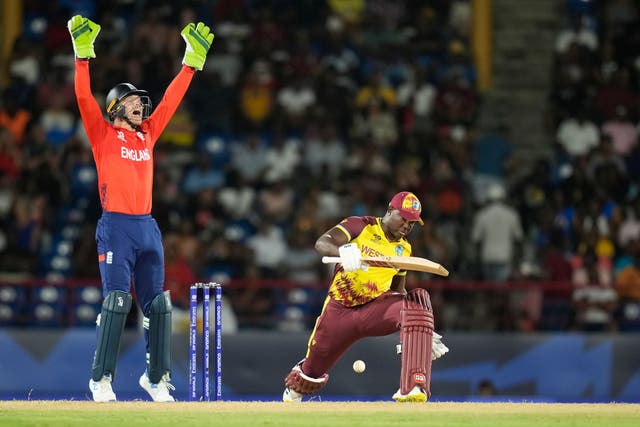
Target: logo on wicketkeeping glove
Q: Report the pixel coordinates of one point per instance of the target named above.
(198, 39)
(83, 33)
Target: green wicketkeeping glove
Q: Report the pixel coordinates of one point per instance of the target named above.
(198, 39)
(83, 33)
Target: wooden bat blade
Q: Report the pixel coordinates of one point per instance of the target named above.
(408, 263)
(399, 262)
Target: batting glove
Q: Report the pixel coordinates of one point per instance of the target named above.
(198, 39)
(350, 257)
(438, 349)
(83, 33)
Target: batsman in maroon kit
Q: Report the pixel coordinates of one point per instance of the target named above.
(367, 301)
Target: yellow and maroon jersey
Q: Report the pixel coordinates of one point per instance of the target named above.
(359, 287)
(124, 159)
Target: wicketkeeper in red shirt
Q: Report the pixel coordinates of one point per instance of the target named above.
(128, 239)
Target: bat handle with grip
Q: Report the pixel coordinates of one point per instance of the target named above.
(330, 259)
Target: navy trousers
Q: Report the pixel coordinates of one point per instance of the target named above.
(130, 251)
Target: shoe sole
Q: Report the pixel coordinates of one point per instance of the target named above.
(417, 398)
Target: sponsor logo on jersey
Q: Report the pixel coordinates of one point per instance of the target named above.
(399, 250)
(140, 135)
(121, 136)
(135, 155)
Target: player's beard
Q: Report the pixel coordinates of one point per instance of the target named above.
(136, 126)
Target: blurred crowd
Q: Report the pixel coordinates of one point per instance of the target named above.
(313, 110)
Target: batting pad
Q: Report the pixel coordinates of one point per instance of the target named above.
(159, 337)
(416, 337)
(115, 309)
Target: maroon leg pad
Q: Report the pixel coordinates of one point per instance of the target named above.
(416, 335)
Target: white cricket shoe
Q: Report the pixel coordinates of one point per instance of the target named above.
(415, 395)
(101, 390)
(158, 392)
(291, 396)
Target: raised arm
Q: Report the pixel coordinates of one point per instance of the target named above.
(83, 34)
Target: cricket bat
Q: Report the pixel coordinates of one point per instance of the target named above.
(412, 263)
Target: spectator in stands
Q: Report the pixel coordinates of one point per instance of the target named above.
(416, 98)
(324, 150)
(13, 117)
(249, 158)
(202, 175)
(237, 197)
(179, 275)
(335, 91)
(594, 301)
(556, 265)
(427, 43)
(629, 227)
(296, 100)
(577, 135)
(257, 95)
(276, 201)
(533, 195)
(57, 122)
(154, 36)
(226, 63)
(301, 261)
(577, 33)
(627, 285)
(269, 247)
(375, 92)
(10, 162)
(458, 62)
(181, 129)
(252, 301)
(623, 132)
(614, 93)
(376, 123)
(497, 232)
(456, 103)
(617, 15)
(282, 158)
(492, 160)
(24, 70)
(607, 170)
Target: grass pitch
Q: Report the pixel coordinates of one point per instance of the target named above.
(312, 414)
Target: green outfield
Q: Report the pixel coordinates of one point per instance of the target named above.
(334, 414)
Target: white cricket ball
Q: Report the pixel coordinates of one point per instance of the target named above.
(359, 366)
